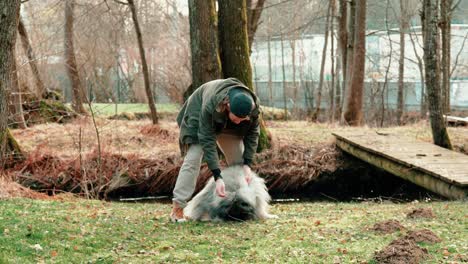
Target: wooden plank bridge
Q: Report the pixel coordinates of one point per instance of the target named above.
(437, 169)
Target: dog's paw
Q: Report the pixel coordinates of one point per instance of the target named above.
(272, 216)
(268, 216)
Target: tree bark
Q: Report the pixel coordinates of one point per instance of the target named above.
(349, 56)
(149, 93)
(9, 10)
(353, 114)
(70, 61)
(401, 63)
(343, 35)
(41, 89)
(332, 56)
(316, 113)
(235, 54)
(234, 40)
(342, 49)
(206, 63)
(445, 11)
(439, 131)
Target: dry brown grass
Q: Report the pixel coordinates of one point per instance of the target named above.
(11, 189)
(117, 136)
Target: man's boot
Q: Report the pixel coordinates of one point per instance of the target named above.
(177, 214)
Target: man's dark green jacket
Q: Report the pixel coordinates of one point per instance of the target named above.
(203, 116)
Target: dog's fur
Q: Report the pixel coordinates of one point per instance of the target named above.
(242, 201)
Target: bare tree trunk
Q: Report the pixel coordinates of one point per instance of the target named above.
(353, 114)
(253, 17)
(285, 106)
(401, 63)
(70, 61)
(206, 63)
(16, 103)
(235, 52)
(270, 81)
(9, 10)
(293, 60)
(337, 112)
(149, 93)
(316, 114)
(41, 89)
(342, 50)
(343, 37)
(349, 56)
(332, 69)
(234, 40)
(445, 11)
(439, 131)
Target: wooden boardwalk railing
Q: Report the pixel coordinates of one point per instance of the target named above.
(437, 169)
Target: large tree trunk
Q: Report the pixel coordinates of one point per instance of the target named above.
(316, 113)
(439, 131)
(349, 56)
(9, 10)
(70, 61)
(445, 11)
(206, 64)
(41, 89)
(149, 93)
(234, 46)
(401, 63)
(234, 40)
(353, 114)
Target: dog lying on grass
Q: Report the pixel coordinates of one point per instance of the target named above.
(242, 202)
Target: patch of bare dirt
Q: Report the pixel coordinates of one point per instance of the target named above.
(388, 227)
(421, 213)
(423, 235)
(401, 251)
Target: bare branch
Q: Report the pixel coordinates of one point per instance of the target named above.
(458, 55)
(455, 6)
(120, 2)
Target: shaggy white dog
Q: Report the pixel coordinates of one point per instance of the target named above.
(242, 201)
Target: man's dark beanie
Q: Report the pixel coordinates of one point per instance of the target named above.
(240, 102)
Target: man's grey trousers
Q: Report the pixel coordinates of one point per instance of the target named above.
(233, 150)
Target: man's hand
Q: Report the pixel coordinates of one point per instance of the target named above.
(248, 174)
(220, 189)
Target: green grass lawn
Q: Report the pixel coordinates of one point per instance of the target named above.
(35, 231)
(112, 109)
